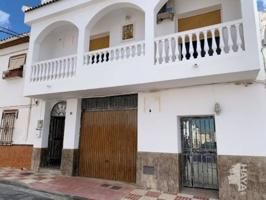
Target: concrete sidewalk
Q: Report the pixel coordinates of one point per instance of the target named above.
(92, 189)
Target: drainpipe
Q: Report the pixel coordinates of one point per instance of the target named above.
(264, 63)
(263, 56)
(28, 120)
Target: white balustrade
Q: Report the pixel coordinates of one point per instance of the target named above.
(59, 68)
(114, 54)
(216, 40)
(221, 39)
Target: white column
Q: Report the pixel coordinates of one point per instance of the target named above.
(72, 124)
(41, 133)
(251, 26)
(150, 34)
(82, 44)
(31, 54)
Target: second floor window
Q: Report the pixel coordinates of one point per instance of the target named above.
(17, 61)
(7, 126)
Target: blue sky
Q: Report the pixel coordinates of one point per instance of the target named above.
(12, 17)
(261, 5)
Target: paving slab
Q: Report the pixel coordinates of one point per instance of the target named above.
(89, 188)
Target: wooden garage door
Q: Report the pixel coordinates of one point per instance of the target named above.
(108, 145)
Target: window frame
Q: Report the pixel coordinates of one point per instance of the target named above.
(15, 56)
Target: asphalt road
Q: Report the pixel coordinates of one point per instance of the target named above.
(16, 192)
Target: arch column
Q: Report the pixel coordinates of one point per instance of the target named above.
(152, 8)
(150, 34)
(30, 58)
(69, 161)
(82, 43)
(251, 24)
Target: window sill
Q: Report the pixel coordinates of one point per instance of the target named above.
(14, 73)
(164, 16)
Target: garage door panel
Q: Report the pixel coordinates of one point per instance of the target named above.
(109, 145)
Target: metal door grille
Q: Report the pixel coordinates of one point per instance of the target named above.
(56, 135)
(7, 127)
(55, 144)
(199, 152)
(125, 102)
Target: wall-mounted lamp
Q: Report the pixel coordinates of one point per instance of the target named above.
(36, 101)
(217, 109)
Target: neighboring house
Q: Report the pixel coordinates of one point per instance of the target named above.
(165, 94)
(15, 109)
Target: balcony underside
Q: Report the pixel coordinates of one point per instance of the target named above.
(209, 55)
(148, 87)
(133, 76)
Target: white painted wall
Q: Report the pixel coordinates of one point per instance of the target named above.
(11, 96)
(39, 137)
(63, 41)
(72, 124)
(240, 128)
(138, 71)
(113, 22)
(60, 42)
(230, 10)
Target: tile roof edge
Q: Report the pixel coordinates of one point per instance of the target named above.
(41, 5)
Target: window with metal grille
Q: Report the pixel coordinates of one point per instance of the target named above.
(7, 126)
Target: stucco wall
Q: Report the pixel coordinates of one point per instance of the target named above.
(240, 128)
(230, 10)
(11, 95)
(63, 41)
(112, 23)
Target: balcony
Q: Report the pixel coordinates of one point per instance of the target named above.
(65, 60)
(55, 69)
(115, 54)
(200, 44)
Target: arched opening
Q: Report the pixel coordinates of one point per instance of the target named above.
(204, 21)
(115, 25)
(57, 40)
(56, 135)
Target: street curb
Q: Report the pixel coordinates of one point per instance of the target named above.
(14, 183)
(25, 186)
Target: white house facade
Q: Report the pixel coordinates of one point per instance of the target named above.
(164, 94)
(16, 111)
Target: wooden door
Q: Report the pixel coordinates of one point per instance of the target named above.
(198, 21)
(99, 43)
(108, 145)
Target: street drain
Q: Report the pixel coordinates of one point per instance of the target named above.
(116, 188)
(105, 185)
(26, 173)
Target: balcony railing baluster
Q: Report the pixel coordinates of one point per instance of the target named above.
(216, 40)
(54, 69)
